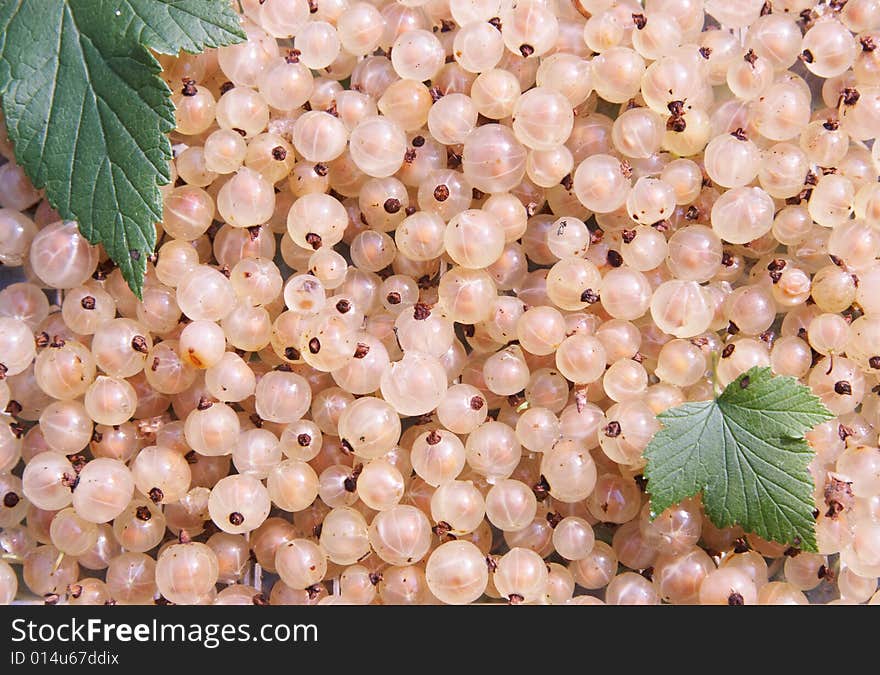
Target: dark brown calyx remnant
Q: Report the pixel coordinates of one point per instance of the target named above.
(442, 529)
(825, 573)
(750, 57)
(189, 87)
(260, 600)
(375, 578)
(614, 258)
(612, 429)
(526, 50)
(350, 483)
(806, 56)
(838, 496)
(88, 302)
(204, 403)
(477, 403)
(640, 20)
(143, 513)
(849, 96)
(627, 236)
(776, 265)
(843, 388)
(433, 437)
(235, 518)
(676, 108)
(10, 500)
(393, 298)
(314, 345)
(156, 495)
(868, 44)
(361, 350)
(291, 353)
(735, 599)
(728, 350)
(705, 52)
(421, 311)
(590, 296)
(739, 134)
(343, 306)
(139, 344)
(391, 205)
(314, 240)
(279, 153)
(441, 193)
(676, 123)
(553, 519)
(541, 488)
(77, 461)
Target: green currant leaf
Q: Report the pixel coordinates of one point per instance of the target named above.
(746, 452)
(89, 115)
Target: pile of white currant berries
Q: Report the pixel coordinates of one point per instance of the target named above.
(428, 270)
